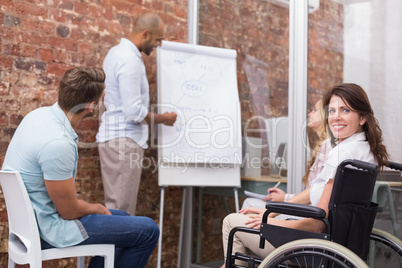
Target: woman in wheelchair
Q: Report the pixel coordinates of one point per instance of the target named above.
(354, 132)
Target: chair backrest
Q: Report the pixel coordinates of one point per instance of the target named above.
(277, 134)
(279, 161)
(24, 240)
(351, 212)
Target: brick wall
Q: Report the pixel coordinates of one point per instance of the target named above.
(41, 39)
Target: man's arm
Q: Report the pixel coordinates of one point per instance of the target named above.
(65, 199)
(167, 118)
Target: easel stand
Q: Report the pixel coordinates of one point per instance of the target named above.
(185, 236)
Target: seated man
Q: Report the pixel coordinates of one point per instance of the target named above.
(44, 150)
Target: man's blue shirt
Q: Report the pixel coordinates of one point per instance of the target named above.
(44, 147)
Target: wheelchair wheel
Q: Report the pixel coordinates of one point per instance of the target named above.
(385, 250)
(315, 253)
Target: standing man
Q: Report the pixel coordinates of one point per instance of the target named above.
(123, 132)
(44, 150)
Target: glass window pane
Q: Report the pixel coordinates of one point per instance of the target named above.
(258, 31)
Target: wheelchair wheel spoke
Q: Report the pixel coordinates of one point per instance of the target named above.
(310, 255)
(385, 250)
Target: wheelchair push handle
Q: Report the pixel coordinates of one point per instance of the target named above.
(359, 164)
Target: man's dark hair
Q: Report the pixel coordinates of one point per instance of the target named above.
(80, 86)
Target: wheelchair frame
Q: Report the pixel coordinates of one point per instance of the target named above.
(316, 245)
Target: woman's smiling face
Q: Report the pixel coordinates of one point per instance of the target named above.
(342, 121)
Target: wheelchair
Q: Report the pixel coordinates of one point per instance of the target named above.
(349, 239)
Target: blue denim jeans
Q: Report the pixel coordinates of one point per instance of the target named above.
(134, 237)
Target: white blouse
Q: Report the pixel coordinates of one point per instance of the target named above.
(354, 147)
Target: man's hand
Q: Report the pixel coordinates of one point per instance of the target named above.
(102, 209)
(169, 118)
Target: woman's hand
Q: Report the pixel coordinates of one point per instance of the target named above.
(251, 210)
(275, 194)
(255, 220)
(255, 216)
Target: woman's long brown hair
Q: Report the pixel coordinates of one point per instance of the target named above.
(356, 99)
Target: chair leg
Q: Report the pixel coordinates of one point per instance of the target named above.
(109, 261)
(11, 264)
(392, 212)
(81, 262)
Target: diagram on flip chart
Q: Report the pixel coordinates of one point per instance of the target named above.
(199, 84)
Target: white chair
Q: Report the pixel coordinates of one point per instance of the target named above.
(382, 193)
(277, 138)
(24, 245)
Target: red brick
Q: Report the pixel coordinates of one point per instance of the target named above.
(180, 11)
(3, 119)
(84, 48)
(12, 49)
(77, 34)
(31, 38)
(8, 132)
(44, 80)
(12, 21)
(58, 69)
(137, 2)
(124, 20)
(30, 24)
(77, 59)
(12, 105)
(7, 5)
(24, 9)
(88, 124)
(57, 15)
(4, 88)
(110, 41)
(93, 37)
(6, 33)
(45, 54)
(3, 214)
(67, 5)
(81, 21)
(95, 11)
(60, 56)
(81, 8)
(10, 76)
(108, 14)
(29, 79)
(46, 27)
(59, 42)
(164, 7)
(110, 27)
(120, 6)
(15, 119)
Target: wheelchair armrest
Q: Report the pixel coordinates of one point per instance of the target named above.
(293, 209)
(395, 165)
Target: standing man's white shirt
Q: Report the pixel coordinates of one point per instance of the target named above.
(125, 76)
(121, 137)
